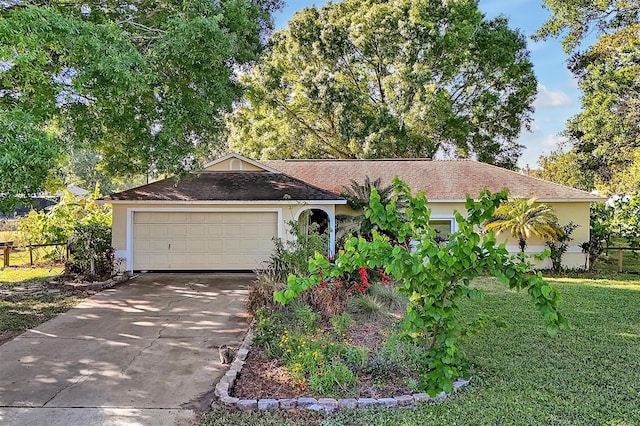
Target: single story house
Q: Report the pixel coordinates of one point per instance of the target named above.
(226, 216)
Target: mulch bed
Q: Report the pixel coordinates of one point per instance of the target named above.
(268, 378)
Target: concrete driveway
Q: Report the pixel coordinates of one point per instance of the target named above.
(144, 353)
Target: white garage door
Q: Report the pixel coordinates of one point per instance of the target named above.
(202, 241)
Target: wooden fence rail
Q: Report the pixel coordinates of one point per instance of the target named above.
(621, 250)
(8, 246)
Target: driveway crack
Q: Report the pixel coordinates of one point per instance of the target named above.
(141, 351)
(80, 380)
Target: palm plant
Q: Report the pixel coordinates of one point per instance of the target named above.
(358, 197)
(523, 218)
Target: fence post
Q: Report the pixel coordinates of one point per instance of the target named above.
(31, 255)
(7, 251)
(619, 260)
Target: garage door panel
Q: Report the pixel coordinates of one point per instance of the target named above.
(231, 230)
(215, 245)
(177, 231)
(196, 230)
(196, 245)
(202, 240)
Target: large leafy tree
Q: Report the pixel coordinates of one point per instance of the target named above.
(379, 78)
(524, 218)
(564, 168)
(144, 83)
(605, 134)
(575, 20)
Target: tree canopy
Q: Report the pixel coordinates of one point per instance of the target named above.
(145, 84)
(605, 136)
(378, 78)
(577, 19)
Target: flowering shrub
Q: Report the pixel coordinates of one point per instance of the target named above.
(433, 275)
(318, 360)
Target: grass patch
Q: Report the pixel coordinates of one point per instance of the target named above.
(15, 276)
(21, 310)
(588, 375)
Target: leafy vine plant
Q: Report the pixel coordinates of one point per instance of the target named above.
(434, 275)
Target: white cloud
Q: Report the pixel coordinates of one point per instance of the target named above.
(551, 98)
(553, 141)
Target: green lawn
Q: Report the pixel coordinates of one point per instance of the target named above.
(22, 310)
(587, 376)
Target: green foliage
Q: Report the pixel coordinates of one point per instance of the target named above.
(144, 86)
(576, 19)
(226, 417)
(406, 355)
(388, 295)
(341, 323)
(604, 136)
(520, 377)
(291, 256)
(84, 168)
(28, 153)
(375, 79)
(355, 357)
(318, 360)
(270, 326)
(333, 378)
(357, 196)
(58, 224)
(435, 276)
(618, 218)
(306, 318)
(559, 247)
(626, 219)
(601, 222)
(367, 307)
(565, 168)
(523, 218)
(91, 249)
(380, 366)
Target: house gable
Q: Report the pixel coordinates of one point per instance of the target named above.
(237, 163)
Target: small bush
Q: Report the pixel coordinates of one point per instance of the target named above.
(341, 324)
(407, 355)
(367, 307)
(329, 300)
(91, 249)
(380, 367)
(269, 328)
(332, 380)
(292, 256)
(355, 357)
(261, 295)
(307, 319)
(388, 295)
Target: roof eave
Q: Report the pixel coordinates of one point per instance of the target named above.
(316, 202)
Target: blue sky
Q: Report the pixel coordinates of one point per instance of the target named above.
(558, 96)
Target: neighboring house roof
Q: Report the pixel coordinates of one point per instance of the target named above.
(227, 186)
(442, 180)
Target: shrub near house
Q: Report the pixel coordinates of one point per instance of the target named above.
(433, 287)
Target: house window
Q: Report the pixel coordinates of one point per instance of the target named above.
(443, 228)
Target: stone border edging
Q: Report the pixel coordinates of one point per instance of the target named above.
(328, 405)
(95, 285)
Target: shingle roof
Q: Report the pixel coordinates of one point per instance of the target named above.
(440, 179)
(226, 186)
